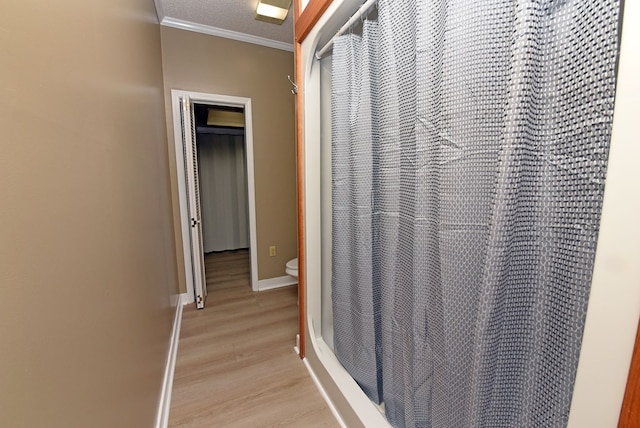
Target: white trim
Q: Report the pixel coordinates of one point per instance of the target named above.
(164, 404)
(367, 412)
(227, 34)
(184, 298)
(277, 282)
(251, 193)
(324, 394)
(221, 100)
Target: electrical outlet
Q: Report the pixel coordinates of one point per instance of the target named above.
(272, 251)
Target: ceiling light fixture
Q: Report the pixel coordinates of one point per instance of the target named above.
(274, 11)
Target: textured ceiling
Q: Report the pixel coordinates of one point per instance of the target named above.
(234, 15)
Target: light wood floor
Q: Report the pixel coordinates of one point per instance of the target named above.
(236, 366)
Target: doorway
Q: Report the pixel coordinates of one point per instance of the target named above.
(194, 258)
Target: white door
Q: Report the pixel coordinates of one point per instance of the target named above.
(193, 198)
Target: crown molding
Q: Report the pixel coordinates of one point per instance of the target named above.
(227, 34)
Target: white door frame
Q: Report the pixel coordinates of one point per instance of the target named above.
(220, 100)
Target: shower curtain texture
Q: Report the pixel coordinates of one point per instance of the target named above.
(469, 151)
(223, 192)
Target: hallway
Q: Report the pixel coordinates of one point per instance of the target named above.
(236, 366)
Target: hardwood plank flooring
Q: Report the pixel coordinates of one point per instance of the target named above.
(236, 366)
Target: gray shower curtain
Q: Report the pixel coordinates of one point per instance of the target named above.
(469, 151)
(223, 192)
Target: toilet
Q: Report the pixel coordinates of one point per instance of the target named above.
(292, 268)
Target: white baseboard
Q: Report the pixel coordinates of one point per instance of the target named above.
(187, 298)
(164, 404)
(324, 394)
(184, 299)
(280, 281)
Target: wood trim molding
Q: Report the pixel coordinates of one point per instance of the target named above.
(308, 18)
(630, 412)
(302, 315)
(304, 20)
(297, 9)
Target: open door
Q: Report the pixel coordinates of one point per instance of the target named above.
(193, 199)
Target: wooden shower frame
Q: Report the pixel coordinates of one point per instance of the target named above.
(303, 23)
